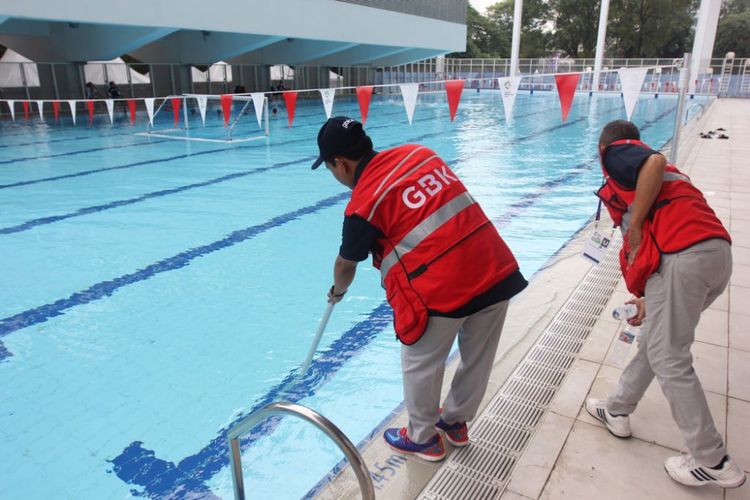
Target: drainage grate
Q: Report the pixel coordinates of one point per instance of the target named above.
(500, 434)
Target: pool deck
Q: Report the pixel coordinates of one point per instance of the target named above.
(571, 455)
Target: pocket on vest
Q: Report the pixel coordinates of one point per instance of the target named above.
(410, 315)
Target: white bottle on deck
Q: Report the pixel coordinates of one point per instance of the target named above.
(624, 345)
(624, 312)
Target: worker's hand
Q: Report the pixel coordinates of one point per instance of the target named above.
(634, 241)
(640, 304)
(334, 296)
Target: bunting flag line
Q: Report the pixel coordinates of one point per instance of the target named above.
(56, 110)
(111, 110)
(453, 89)
(131, 108)
(149, 102)
(11, 105)
(631, 80)
(90, 106)
(566, 89)
(176, 101)
(226, 107)
(409, 92)
(364, 93)
(328, 95)
(508, 90)
(258, 100)
(25, 109)
(40, 108)
(290, 99)
(202, 100)
(72, 104)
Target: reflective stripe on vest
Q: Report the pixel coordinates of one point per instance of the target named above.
(668, 177)
(424, 229)
(398, 165)
(397, 181)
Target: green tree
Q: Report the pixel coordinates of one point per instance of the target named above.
(576, 25)
(733, 33)
(651, 28)
(483, 38)
(536, 37)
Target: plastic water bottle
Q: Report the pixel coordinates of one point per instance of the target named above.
(623, 345)
(624, 312)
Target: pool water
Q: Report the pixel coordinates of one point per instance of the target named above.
(155, 291)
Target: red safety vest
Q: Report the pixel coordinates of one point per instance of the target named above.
(679, 218)
(438, 250)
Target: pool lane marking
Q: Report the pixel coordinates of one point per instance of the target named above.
(229, 147)
(27, 225)
(106, 288)
(82, 151)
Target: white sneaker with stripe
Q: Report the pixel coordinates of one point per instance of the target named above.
(685, 470)
(618, 426)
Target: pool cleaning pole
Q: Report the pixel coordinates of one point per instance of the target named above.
(316, 341)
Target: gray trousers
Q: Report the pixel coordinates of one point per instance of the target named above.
(423, 367)
(685, 284)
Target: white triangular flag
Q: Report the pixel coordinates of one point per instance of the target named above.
(258, 100)
(631, 80)
(11, 105)
(111, 110)
(409, 91)
(72, 104)
(202, 100)
(40, 107)
(149, 101)
(327, 95)
(508, 89)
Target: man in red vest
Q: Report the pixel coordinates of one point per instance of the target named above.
(445, 270)
(676, 258)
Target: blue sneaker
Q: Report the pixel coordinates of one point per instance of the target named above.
(433, 450)
(457, 434)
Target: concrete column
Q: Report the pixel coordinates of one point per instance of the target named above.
(600, 42)
(705, 35)
(516, 45)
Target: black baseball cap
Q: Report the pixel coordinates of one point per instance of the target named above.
(343, 136)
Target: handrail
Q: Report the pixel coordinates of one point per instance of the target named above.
(315, 418)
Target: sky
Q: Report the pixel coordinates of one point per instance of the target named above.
(480, 5)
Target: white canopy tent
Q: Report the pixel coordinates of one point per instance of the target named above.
(215, 71)
(10, 70)
(116, 72)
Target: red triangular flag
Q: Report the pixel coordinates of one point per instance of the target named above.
(131, 107)
(26, 109)
(226, 107)
(363, 96)
(56, 110)
(566, 89)
(290, 99)
(454, 88)
(176, 110)
(90, 105)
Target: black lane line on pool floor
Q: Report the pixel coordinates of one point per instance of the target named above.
(227, 147)
(106, 288)
(30, 224)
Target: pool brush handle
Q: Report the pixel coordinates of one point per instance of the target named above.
(316, 341)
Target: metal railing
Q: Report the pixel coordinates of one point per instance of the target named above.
(319, 421)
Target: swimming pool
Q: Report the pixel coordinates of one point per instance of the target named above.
(155, 291)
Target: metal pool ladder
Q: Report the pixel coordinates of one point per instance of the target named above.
(315, 418)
